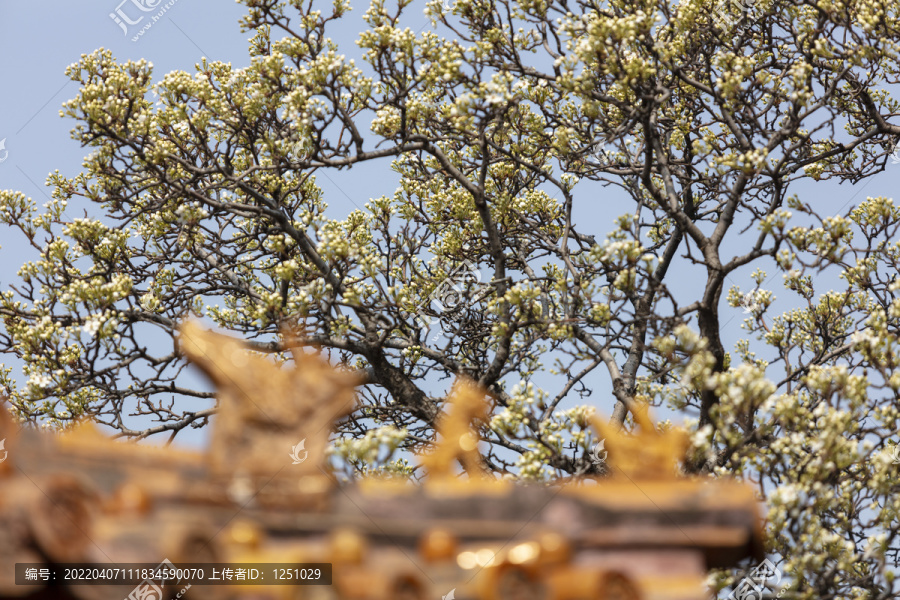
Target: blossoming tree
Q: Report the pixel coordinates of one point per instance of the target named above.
(498, 121)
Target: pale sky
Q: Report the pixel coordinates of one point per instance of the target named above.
(38, 40)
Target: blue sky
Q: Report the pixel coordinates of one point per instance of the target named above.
(38, 41)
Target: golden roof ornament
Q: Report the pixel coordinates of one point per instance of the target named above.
(641, 534)
(458, 438)
(650, 454)
(266, 409)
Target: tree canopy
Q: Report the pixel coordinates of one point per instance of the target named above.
(511, 125)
